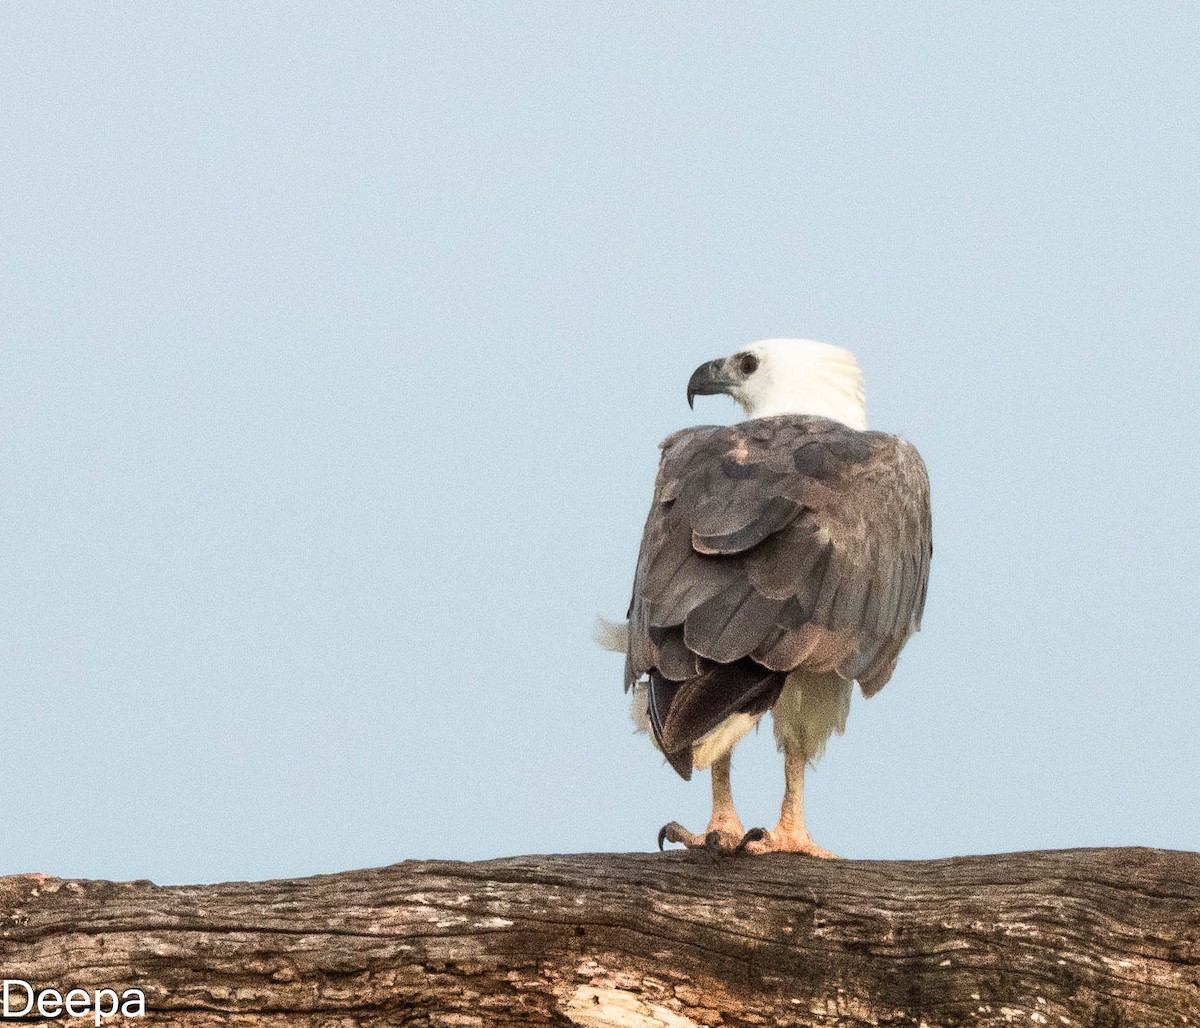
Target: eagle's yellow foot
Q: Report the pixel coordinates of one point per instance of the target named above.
(781, 840)
(723, 839)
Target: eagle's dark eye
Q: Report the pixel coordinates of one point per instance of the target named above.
(747, 364)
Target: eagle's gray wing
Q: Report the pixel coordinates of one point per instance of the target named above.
(774, 544)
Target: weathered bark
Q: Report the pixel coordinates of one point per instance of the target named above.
(1096, 938)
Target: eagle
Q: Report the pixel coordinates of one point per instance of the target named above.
(784, 558)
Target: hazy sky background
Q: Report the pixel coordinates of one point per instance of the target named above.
(338, 342)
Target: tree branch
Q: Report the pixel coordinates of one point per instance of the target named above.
(1095, 938)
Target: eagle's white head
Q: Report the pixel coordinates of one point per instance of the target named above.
(787, 376)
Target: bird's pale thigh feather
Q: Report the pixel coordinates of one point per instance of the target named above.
(811, 708)
(722, 739)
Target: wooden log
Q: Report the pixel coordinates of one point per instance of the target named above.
(1096, 938)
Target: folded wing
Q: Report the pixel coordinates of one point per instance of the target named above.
(779, 543)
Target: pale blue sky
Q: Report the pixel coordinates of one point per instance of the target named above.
(339, 339)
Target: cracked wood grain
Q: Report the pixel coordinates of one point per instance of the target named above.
(1095, 938)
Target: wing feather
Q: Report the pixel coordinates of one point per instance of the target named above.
(731, 624)
(781, 543)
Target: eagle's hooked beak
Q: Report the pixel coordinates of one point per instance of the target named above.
(710, 379)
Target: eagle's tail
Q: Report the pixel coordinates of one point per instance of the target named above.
(681, 713)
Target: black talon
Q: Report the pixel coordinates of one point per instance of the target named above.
(669, 831)
(754, 835)
(712, 842)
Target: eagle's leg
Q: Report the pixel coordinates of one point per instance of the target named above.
(789, 835)
(724, 831)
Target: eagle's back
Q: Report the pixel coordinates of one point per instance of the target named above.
(775, 544)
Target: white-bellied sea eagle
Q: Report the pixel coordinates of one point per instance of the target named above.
(784, 558)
